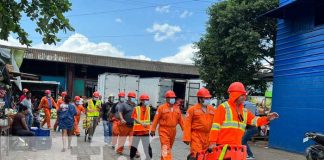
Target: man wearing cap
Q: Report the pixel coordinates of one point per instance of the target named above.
(231, 118)
(125, 111)
(198, 122)
(93, 111)
(47, 103)
(168, 116)
(106, 118)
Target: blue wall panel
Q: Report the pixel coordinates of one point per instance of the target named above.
(57, 79)
(298, 89)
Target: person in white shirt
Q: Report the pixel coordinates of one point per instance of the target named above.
(27, 102)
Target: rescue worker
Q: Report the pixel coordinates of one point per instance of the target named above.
(231, 118)
(114, 117)
(167, 116)
(79, 109)
(47, 103)
(198, 122)
(125, 111)
(106, 118)
(93, 111)
(141, 128)
(59, 102)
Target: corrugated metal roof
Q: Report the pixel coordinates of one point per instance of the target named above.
(105, 61)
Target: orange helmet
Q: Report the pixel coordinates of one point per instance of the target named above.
(170, 94)
(63, 94)
(96, 94)
(236, 87)
(131, 94)
(77, 98)
(25, 90)
(47, 92)
(204, 93)
(121, 94)
(144, 97)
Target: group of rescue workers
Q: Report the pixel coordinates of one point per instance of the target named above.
(203, 127)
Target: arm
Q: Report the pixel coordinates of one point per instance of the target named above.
(219, 117)
(255, 120)
(156, 119)
(23, 122)
(187, 129)
(41, 104)
(120, 113)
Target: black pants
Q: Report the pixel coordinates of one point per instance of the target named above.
(146, 145)
(27, 134)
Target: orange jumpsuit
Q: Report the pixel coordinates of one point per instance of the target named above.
(197, 127)
(223, 132)
(167, 117)
(115, 130)
(80, 109)
(47, 110)
(59, 102)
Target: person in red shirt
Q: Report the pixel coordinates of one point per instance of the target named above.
(142, 121)
(24, 95)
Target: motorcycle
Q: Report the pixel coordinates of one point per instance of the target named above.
(315, 151)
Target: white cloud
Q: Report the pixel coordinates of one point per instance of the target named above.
(163, 31)
(163, 9)
(140, 57)
(80, 44)
(118, 20)
(185, 14)
(11, 42)
(185, 55)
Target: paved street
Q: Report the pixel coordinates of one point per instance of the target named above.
(97, 150)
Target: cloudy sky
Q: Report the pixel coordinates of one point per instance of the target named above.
(159, 30)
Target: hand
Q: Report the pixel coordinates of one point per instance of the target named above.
(272, 116)
(187, 143)
(123, 121)
(152, 134)
(210, 148)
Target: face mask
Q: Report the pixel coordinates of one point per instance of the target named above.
(146, 103)
(95, 99)
(133, 100)
(206, 102)
(122, 99)
(48, 95)
(172, 100)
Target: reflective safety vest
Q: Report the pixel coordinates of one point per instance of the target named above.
(229, 121)
(95, 107)
(146, 120)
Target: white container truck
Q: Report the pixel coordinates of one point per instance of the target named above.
(112, 83)
(157, 86)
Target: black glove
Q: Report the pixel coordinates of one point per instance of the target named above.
(187, 143)
(152, 134)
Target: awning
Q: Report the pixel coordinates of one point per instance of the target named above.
(280, 11)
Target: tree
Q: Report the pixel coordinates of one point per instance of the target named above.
(47, 14)
(236, 45)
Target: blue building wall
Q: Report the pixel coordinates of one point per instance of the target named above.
(60, 79)
(298, 93)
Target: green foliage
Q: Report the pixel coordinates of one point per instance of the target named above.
(231, 50)
(47, 14)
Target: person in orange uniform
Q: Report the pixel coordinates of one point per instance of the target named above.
(47, 103)
(114, 117)
(231, 118)
(125, 111)
(141, 128)
(79, 109)
(168, 116)
(59, 102)
(198, 122)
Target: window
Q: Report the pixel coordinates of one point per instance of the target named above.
(319, 12)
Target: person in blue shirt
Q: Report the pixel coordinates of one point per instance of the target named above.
(66, 115)
(250, 130)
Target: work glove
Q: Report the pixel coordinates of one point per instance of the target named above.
(152, 134)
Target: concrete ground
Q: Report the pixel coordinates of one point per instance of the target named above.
(97, 150)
